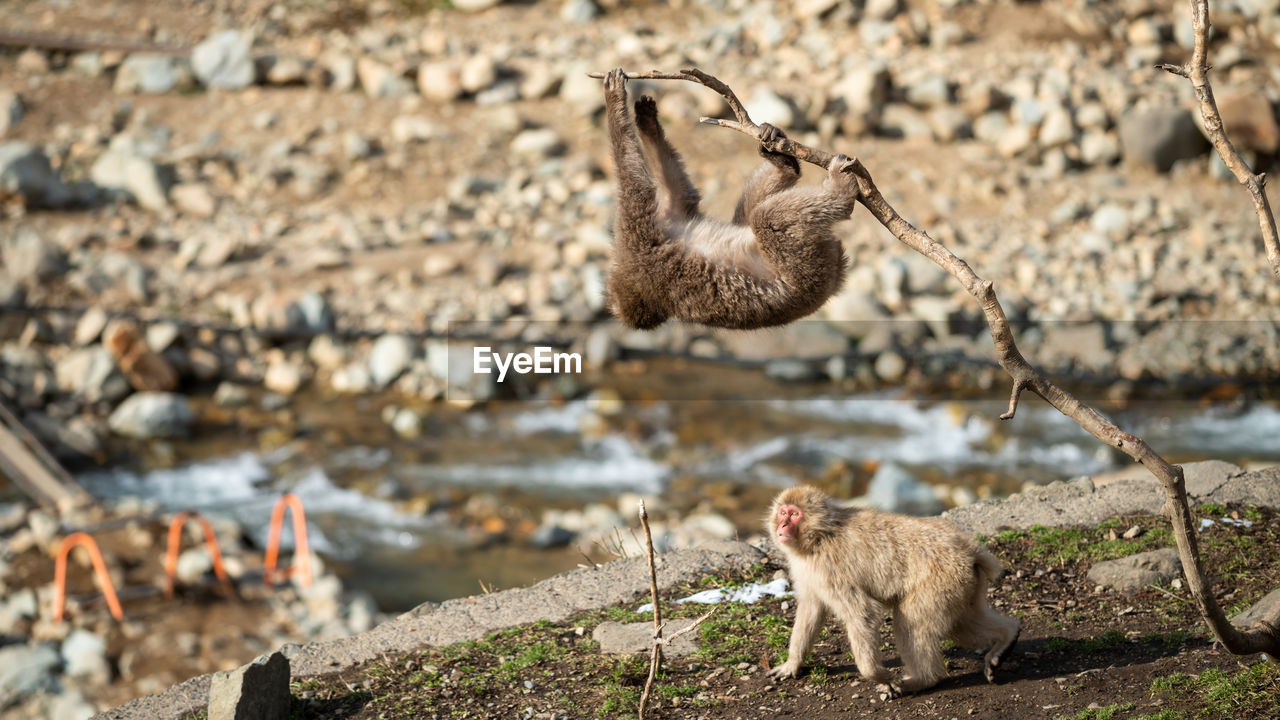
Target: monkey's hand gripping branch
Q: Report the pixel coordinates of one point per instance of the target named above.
(1263, 637)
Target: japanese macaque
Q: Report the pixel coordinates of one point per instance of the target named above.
(776, 262)
(853, 563)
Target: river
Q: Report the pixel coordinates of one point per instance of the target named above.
(384, 509)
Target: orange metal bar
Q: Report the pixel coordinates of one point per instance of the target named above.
(175, 538)
(301, 555)
(99, 568)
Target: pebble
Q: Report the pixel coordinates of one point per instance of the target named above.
(25, 171)
(224, 60)
(147, 73)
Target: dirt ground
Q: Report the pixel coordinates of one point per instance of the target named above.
(1083, 653)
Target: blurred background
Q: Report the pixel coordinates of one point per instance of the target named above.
(248, 248)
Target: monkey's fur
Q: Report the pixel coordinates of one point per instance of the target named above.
(853, 562)
(777, 262)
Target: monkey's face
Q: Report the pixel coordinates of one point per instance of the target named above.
(786, 523)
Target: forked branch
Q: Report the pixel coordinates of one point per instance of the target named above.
(1265, 637)
(658, 642)
(1197, 71)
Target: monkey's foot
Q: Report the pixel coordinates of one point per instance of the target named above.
(785, 670)
(841, 164)
(840, 175)
(889, 690)
(989, 667)
(615, 83)
(647, 114)
(771, 139)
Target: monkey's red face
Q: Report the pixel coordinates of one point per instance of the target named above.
(787, 523)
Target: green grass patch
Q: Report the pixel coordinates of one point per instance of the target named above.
(1069, 545)
(1058, 644)
(729, 636)
(1169, 640)
(1108, 640)
(1251, 692)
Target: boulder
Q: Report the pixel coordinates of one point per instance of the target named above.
(84, 655)
(256, 691)
(1135, 572)
(894, 489)
(31, 258)
(225, 60)
(91, 374)
(1156, 138)
(134, 175)
(389, 358)
(148, 73)
(152, 414)
(637, 638)
(26, 670)
(25, 171)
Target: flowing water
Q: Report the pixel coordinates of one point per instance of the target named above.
(380, 511)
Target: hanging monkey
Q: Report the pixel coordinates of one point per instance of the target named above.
(776, 262)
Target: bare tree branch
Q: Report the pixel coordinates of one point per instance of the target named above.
(655, 651)
(1264, 637)
(1197, 71)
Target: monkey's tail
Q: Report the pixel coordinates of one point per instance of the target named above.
(986, 567)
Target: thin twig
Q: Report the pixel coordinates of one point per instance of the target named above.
(686, 630)
(1264, 637)
(655, 653)
(1153, 586)
(1197, 71)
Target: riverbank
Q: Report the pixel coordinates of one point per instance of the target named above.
(626, 581)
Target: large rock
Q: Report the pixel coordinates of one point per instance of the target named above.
(439, 81)
(152, 414)
(111, 271)
(894, 489)
(84, 655)
(1158, 137)
(1268, 606)
(257, 691)
(91, 373)
(26, 670)
(224, 60)
(637, 638)
(25, 171)
(148, 73)
(31, 258)
(1084, 344)
(135, 175)
(454, 365)
(1136, 572)
(390, 357)
(379, 80)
